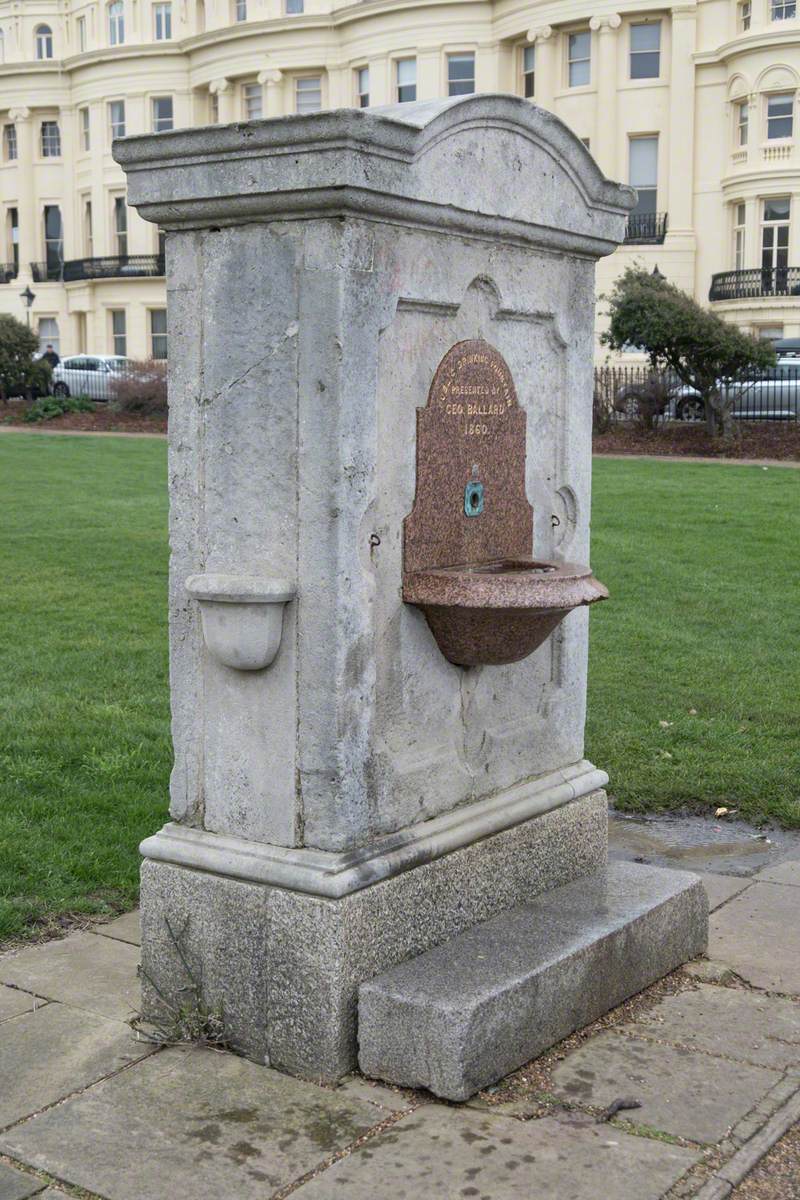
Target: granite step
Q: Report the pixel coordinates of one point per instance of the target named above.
(464, 1014)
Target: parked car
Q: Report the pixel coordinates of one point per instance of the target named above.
(89, 375)
(771, 395)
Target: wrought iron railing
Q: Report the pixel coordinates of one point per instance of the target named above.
(44, 272)
(645, 229)
(750, 284)
(113, 266)
(8, 271)
(638, 393)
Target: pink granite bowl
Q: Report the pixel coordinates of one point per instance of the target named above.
(499, 611)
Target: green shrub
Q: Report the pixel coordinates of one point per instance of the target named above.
(55, 406)
(20, 373)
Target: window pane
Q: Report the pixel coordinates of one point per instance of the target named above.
(162, 113)
(460, 74)
(643, 162)
(294, 7)
(362, 86)
(116, 113)
(308, 94)
(118, 332)
(51, 139)
(646, 37)
(777, 209)
(48, 334)
(406, 79)
(579, 51)
(158, 332)
(253, 101)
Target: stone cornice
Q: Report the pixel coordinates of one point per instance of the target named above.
(363, 163)
(333, 875)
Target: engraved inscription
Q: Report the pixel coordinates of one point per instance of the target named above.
(473, 385)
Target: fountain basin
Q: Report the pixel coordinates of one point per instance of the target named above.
(500, 611)
(242, 616)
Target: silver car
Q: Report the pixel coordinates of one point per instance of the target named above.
(89, 375)
(771, 395)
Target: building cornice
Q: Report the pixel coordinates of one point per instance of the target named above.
(765, 40)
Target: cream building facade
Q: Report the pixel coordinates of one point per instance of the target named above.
(693, 103)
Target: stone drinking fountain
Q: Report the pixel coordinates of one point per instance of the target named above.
(386, 846)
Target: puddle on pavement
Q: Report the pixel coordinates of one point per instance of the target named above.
(698, 844)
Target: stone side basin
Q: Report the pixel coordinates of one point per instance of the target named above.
(499, 611)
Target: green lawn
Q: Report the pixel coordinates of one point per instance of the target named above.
(701, 562)
(84, 708)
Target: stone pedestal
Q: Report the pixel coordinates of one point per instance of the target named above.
(359, 799)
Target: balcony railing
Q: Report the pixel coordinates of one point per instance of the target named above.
(44, 272)
(114, 266)
(749, 285)
(646, 229)
(8, 271)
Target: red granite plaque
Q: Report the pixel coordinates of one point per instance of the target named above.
(470, 504)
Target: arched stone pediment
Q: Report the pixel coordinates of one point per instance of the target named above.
(738, 87)
(777, 77)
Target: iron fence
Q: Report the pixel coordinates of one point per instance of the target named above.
(637, 393)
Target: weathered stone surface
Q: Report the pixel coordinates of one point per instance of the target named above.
(440, 1153)
(737, 1024)
(287, 966)
(14, 1001)
(463, 1015)
(198, 927)
(230, 1128)
(16, 1185)
(83, 970)
(758, 935)
(691, 1095)
(785, 872)
(125, 928)
(48, 1054)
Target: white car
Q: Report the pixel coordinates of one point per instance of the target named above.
(88, 375)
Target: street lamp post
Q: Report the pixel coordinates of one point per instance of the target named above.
(28, 296)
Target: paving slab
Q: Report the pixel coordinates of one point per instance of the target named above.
(126, 928)
(448, 1154)
(191, 1121)
(13, 1002)
(50, 1053)
(748, 1026)
(16, 1185)
(785, 872)
(758, 935)
(690, 1095)
(720, 888)
(53, 1194)
(85, 971)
